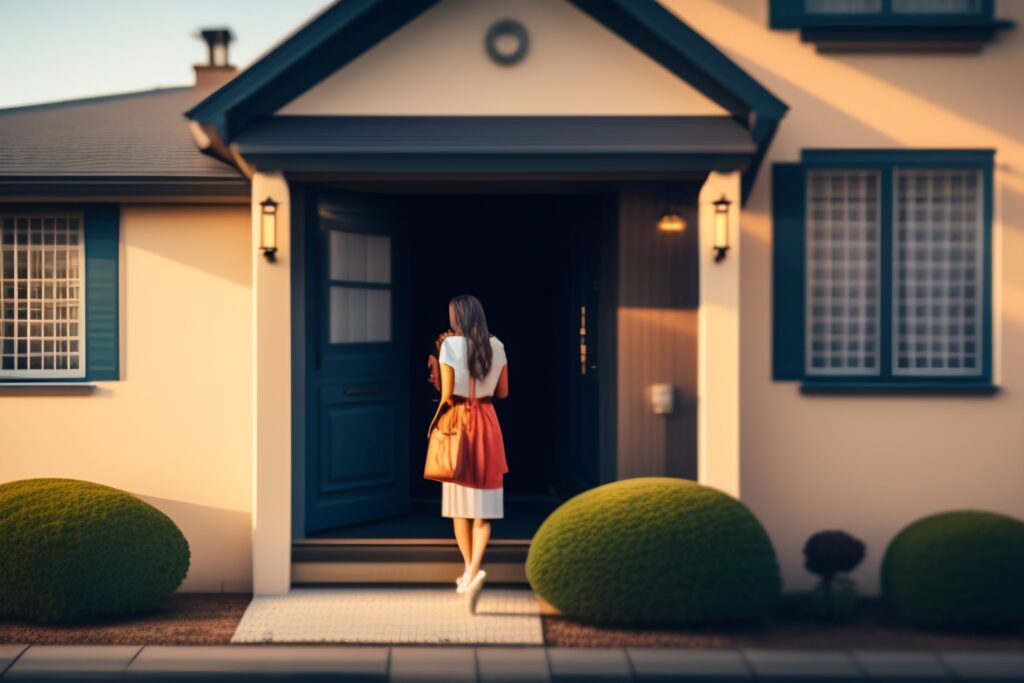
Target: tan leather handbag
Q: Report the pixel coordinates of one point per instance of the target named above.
(446, 461)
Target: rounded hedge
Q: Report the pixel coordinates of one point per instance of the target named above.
(655, 551)
(957, 570)
(75, 551)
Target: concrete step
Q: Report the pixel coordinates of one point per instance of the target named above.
(407, 561)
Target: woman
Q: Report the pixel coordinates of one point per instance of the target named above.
(471, 352)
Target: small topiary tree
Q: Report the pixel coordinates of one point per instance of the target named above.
(75, 551)
(828, 554)
(655, 551)
(957, 570)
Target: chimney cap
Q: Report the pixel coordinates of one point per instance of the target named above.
(217, 40)
(217, 35)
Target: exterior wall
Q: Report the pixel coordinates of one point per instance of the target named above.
(176, 428)
(872, 464)
(437, 65)
(657, 334)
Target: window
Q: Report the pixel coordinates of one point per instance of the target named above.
(901, 24)
(41, 274)
(58, 294)
(882, 268)
(360, 292)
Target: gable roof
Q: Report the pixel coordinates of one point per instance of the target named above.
(349, 28)
(133, 142)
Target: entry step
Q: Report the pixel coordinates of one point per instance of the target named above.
(388, 561)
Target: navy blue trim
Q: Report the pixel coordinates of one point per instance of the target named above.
(103, 187)
(889, 28)
(937, 388)
(788, 271)
(791, 14)
(337, 36)
(871, 158)
(498, 163)
(885, 161)
(663, 37)
(102, 232)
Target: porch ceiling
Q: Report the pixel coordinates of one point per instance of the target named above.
(496, 143)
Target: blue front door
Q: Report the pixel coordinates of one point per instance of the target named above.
(357, 403)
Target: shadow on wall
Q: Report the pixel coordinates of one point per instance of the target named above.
(220, 542)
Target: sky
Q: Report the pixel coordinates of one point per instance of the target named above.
(65, 49)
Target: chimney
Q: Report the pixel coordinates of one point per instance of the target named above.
(217, 71)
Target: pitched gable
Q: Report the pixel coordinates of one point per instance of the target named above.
(437, 65)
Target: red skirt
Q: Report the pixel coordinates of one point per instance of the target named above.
(483, 448)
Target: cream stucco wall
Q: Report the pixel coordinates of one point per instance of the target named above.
(870, 465)
(437, 65)
(176, 429)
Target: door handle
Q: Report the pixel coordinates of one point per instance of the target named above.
(583, 340)
(364, 391)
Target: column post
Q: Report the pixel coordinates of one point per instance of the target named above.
(272, 393)
(718, 343)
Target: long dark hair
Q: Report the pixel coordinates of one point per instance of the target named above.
(468, 320)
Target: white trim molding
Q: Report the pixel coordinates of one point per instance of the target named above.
(272, 394)
(718, 342)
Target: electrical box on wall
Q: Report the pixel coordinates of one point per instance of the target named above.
(662, 398)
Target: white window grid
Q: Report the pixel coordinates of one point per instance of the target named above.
(843, 272)
(937, 270)
(42, 302)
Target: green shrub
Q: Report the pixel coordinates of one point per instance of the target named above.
(829, 554)
(957, 570)
(75, 551)
(655, 551)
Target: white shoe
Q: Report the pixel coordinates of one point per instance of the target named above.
(462, 582)
(472, 591)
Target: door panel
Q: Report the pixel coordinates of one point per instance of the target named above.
(357, 431)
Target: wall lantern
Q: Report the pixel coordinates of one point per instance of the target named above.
(268, 228)
(721, 227)
(671, 221)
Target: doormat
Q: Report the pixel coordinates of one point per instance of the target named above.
(392, 615)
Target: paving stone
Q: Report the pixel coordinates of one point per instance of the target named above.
(660, 664)
(240, 662)
(513, 665)
(788, 665)
(52, 662)
(888, 665)
(440, 664)
(986, 666)
(588, 664)
(396, 615)
(8, 653)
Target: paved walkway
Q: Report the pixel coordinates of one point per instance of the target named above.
(392, 616)
(267, 663)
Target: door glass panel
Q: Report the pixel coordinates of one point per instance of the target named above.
(360, 315)
(358, 257)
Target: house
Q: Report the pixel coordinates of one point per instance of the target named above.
(772, 246)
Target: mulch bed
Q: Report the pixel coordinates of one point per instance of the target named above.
(210, 619)
(186, 619)
(871, 630)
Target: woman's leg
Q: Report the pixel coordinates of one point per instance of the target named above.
(481, 535)
(464, 537)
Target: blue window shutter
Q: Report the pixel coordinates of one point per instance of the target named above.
(788, 271)
(102, 227)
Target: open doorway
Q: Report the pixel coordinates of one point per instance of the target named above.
(535, 263)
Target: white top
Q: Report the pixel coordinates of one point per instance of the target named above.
(453, 353)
